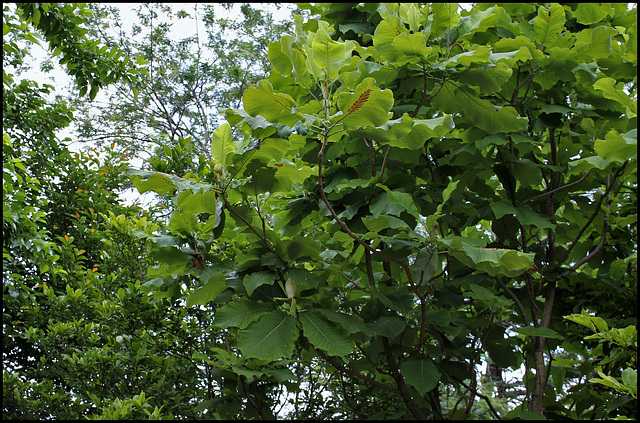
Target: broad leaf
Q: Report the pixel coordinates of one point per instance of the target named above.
(162, 183)
(618, 147)
(254, 280)
(549, 24)
(241, 313)
(533, 331)
(270, 338)
(325, 335)
(261, 100)
(420, 373)
(214, 287)
(367, 106)
(426, 265)
(459, 99)
(221, 144)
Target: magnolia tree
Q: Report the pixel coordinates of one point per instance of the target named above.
(418, 189)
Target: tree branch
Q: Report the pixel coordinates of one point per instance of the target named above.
(515, 299)
(544, 194)
(484, 397)
(595, 213)
(346, 229)
(400, 383)
(344, 369)
(254, 230)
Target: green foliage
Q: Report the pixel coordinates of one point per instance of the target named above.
(622, 355)
(439, 176)
(411, 190)
(81, 336)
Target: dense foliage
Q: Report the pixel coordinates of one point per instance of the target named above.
(412, 192)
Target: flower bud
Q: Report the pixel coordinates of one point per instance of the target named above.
(290, 287)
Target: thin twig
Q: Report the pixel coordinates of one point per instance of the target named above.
(515, 299)
(594, 214)
(484, 397)
(344, 369)
(544, 194)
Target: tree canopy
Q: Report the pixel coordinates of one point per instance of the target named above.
(413, 211)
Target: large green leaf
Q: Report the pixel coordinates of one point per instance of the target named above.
(261, 100)
(594, 43)
(403, 199)
(222, 145)
(254, 280)
(596, 324)
(490, 78)
(591, 13)
(444, 17)
(478, 21)
(278, 59)
(533, 331)
(386, 32)
(420, 373)
(330, 55)
(426, 265)
(214, 287)
(350, 323)
(607, 86)
(389, 326)
(618, 147)
(271, 337)
(412, 45)
(324, 335)
(479, 56)
(526, 216)
(170, 255)
(549, 24)
(460, 99)
(241, 313)
(298, 247)
(184, 224)
(200, 202)
(406, 132)
(367, 106)
(162, 183)
(495, 262)
(279, 178)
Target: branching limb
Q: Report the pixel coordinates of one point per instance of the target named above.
(344, 369)
(515, 299)
(239, 216)
(544, 194)
(400, 383)
(592, 218)
(348, 231)
(484, 397)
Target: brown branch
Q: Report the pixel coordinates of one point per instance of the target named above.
(515, 299)
(344, 369)
(355, 284)
(544, 194)
(254, 230)
(346, 229)
(400, 383)
(592, 254)
(484, 397)
(594, 214)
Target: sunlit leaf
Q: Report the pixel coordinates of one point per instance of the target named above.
(271, 337)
